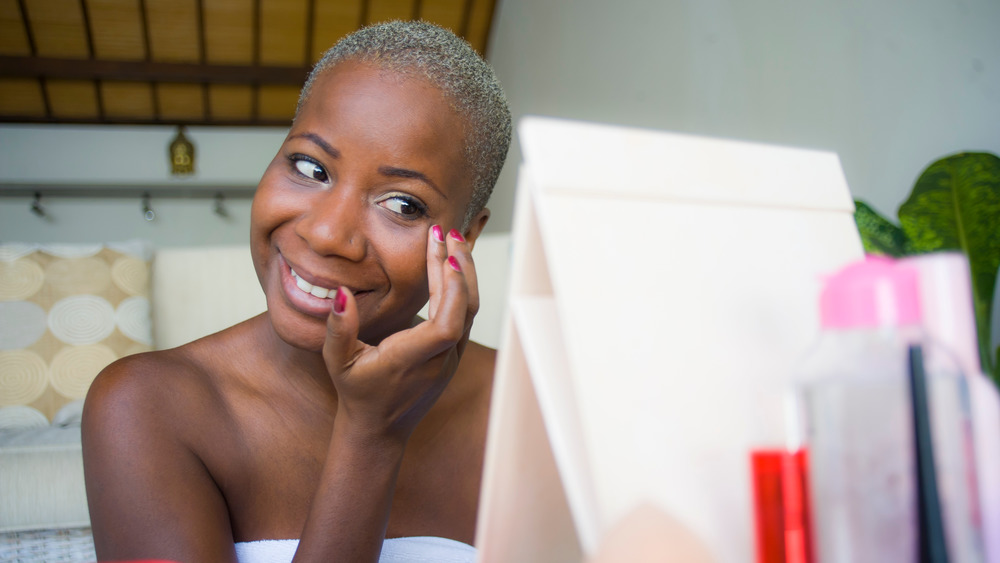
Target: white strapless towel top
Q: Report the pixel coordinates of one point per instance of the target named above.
(421, 549)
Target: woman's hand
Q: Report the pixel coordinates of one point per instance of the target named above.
(385, 390)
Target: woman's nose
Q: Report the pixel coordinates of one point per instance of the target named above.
(333, 225)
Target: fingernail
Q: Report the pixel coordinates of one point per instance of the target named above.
(456, 235)
(339, 301)
(438, 234)
(453, 262)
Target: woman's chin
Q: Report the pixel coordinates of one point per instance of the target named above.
(297, 330)
(306, 338)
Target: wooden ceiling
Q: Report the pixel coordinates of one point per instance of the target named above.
(206, 62)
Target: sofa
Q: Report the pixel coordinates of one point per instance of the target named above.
(68, 310)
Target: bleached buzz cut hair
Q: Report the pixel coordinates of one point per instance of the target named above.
(424, 50)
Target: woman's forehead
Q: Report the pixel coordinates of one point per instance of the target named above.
(379, 108)
(376, 90)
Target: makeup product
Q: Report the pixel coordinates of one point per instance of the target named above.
(853, 409)
(932, 547)
(782, 530)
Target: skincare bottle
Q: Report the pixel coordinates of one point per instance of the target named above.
(853, 413)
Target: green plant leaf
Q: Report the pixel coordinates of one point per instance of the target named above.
(955, 205)
(878, 234)
(996, 368)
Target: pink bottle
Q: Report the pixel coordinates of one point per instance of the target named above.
(853, 412)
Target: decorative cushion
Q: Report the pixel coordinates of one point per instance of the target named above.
(66, 312)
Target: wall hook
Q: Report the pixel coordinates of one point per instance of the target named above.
(36, 206)
(147, 211)
(220, 207)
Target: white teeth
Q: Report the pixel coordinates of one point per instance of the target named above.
(303, 285)
(307, 287)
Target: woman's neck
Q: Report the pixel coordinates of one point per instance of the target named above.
(294, 365)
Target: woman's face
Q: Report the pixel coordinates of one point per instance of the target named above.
(372, 161)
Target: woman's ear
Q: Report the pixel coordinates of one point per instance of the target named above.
(476, 227)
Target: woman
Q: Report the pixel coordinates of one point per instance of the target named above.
(337, 418)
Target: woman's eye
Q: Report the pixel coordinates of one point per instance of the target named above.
(404, 206)
(311, 170)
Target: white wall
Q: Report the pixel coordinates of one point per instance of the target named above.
(128, 156)
(890, 85)
(133, 154)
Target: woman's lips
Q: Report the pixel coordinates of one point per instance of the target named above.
(309, 298)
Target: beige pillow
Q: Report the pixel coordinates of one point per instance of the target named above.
(66, 312)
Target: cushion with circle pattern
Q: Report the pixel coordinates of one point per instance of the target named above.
(66, 312)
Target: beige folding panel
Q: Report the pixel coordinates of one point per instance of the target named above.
(662, 288)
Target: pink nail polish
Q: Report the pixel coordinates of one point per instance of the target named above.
(456, 235)
(339, 301)
(453, 262)
(438, 234)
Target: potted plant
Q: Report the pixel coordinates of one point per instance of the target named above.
(955, 205)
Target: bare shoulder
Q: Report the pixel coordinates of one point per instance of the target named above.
(148, 422)
(143, 389)
(475, 372)
(444, 463)
(479, 359)
(130, 391)
(468, 396)
(176, 385)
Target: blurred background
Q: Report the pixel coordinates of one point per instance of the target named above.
(92, 91)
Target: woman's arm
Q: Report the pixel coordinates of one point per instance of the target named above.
(383, 393)
(150, 496)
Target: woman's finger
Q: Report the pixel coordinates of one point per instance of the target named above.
(461, 250)
(454, 302)
(341, 345)
(437, 253)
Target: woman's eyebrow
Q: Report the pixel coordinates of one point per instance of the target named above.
(318, 141)
(407, 173)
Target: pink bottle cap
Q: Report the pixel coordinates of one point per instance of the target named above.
(874, 292)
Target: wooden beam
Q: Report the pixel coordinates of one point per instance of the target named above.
(206, 98)
(200, 18)
(99, 98)
(90, 54)
(466, 18)
(310, 30)
(149, 71)
(148, 48)
(46, 102)
(363, 15)
(255, 33)
(87, 31)
(144, 29)
(255, 42)
(27, 28)
(284, 123)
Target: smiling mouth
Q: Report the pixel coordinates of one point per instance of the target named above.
(314, 290)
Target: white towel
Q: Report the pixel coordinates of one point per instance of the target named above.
(422, 549)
